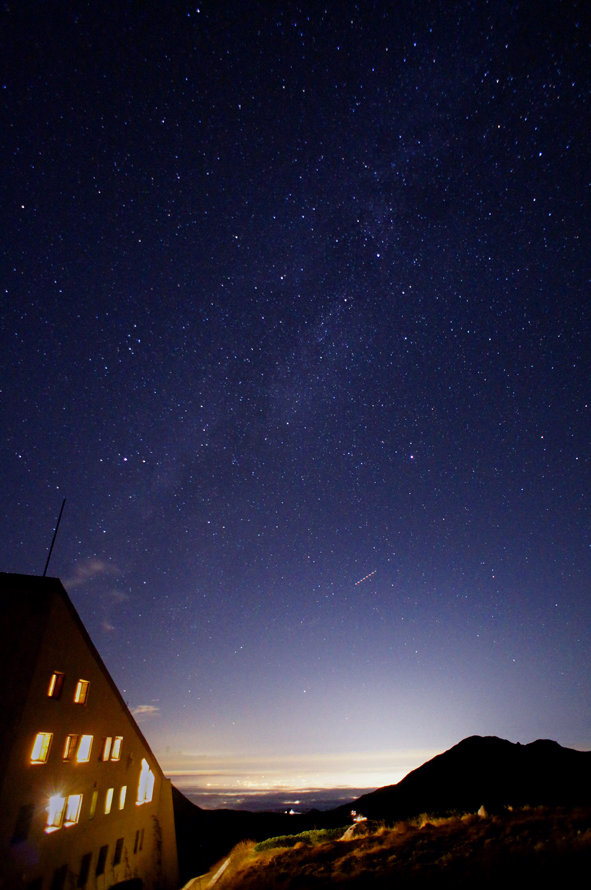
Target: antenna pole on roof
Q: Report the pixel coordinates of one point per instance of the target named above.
(57, 525)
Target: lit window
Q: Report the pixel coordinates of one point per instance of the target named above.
(55, 813)
(56, 684)
(116, 749)
(93, 802)
(73, 805)
(150, 786)
(81, 693)
(122, 795)
(145, 787)
(109, 800)
(70, 746)
(107, 744)
(83, 750)
(41, 746)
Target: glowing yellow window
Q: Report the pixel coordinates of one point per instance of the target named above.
(93, 802)
(145, 787)
(109, 800)
(122, 796)
(56, 683)
(107, 745)
(81, 692)
(70, 747)
(55, 813)
(116, 749)
(73, 804)
(83, 750)
(41, 746)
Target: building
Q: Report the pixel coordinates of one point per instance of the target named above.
(83, 801)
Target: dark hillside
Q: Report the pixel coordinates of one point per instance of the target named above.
(485, 771)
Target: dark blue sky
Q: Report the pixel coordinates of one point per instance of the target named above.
(296, 296)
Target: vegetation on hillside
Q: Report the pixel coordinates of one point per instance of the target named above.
(510, 849)
(311, 838)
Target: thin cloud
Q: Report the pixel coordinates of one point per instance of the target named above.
(145, 711)
(89, 570)
(118, 596)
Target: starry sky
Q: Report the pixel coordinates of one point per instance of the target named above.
(295, 314)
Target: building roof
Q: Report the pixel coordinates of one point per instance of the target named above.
(26, 601)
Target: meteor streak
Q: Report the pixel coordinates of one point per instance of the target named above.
(361, 580)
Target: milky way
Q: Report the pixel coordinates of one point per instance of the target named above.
(298, 297)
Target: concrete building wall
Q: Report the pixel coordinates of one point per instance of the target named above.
(133, 840)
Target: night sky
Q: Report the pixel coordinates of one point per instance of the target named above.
(296, 314)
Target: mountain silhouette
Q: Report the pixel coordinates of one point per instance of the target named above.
(479, 771)
(484, 771)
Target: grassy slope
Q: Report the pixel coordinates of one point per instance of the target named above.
(206, 836)
(513, 849)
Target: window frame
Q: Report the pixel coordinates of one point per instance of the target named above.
(73, 808)
(107, 746)
(56, 685)
(41, 747)
(101, 860)
(85, 862)
(71, 746)
(55, 813)
(118, 851)
(81, 692)
(23, 822)
(84, 748)
(109, 800)
(60, 875)
(145, 788)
